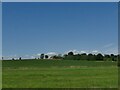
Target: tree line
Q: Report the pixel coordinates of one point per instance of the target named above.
(83, 56)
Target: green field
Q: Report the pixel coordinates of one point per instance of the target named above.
(59, 74)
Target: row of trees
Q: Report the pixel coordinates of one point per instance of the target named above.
(83, 56)
(89, 57)
(43, 56)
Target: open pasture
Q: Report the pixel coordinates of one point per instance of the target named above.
(59, 74)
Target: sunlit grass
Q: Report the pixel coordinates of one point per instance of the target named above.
(59, 74)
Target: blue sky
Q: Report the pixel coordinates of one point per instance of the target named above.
(34, 28)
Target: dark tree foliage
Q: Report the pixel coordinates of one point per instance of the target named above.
(112, 57)
(70, 56)
(77, 57)
(99, 56)
(83, 56)
(19, 58)
(57, 57)
(70, 53)
(90, 57)
(46, 56)
(107, 57)
(115, 57)
(42, 56)
(65, 56)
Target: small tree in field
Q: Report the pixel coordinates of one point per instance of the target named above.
(46, 56)
(70, 56)
(112, 57)
(42, 56)
(70, 53)
(20, 58)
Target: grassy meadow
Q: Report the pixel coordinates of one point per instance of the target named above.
(59, 74)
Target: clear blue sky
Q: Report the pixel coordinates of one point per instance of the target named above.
(32, 28)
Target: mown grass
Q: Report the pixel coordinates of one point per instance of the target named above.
(59, 74)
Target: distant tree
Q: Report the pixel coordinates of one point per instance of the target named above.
(19, 58)
(57, 57)
(13, 59)
(2, 58)
(70, 56)
(99, 56)
(83, 56)
(70, 53)
(54, 57)
(46, 56)
(90, 57)
(65, 56)
(42, 56)
(77, 57)
(112, 57)
(115, 57)
(107, 57)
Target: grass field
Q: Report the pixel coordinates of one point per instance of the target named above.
(59, 74)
